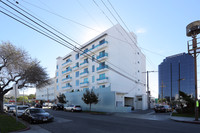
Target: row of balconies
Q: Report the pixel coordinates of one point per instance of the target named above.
(94, 49)
(83, 74)
(86, 84)
(83, 64)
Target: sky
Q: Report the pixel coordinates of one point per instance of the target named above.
(160, 26)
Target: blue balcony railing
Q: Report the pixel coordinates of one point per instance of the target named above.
(102, 78)
(66, 78)
(67, 86)
(66, 62)
(85, 82)
(83, 73)
(84, 62)
(102, 67)
(68, 70)
(100, 43)
(75, 67)
(102, 55)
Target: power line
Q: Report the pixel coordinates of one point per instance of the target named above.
(52, 33)
(83, 25)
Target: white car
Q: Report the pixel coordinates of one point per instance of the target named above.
(73, 108)
(20, 110)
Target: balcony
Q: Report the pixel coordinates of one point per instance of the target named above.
(67, 71)
(102, 80)
(102, 56)
(83, 74)
(84, 64)
(67, 87)
(102, 68)
(100, 46)
(75, 68)
(68, 62)
(67, 79)
(84, 84)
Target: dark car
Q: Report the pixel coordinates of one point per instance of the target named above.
(36, 115)
(162, 108)
(57, 107)
(38, 105)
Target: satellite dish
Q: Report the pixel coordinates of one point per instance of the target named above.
(193, 28)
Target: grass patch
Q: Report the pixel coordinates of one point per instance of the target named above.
(183, 115)
(9, 124)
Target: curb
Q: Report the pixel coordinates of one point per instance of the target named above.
(26, 124)
(185, 121)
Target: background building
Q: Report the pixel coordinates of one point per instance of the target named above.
(173, 68)
(47, 93)
(103, 64)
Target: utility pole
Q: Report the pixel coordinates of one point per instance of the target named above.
(162, 92)
(148, 91)
(192, 30)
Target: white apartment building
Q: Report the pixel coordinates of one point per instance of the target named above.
(47, 93)
(104, 63)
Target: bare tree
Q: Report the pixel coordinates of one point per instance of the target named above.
(16, 66)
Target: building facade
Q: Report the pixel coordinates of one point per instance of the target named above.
(111, 60)
(174, 70)
(47, 93)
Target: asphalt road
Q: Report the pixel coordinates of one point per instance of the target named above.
(68, 122)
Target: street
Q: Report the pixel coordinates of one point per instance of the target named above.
(114, 123)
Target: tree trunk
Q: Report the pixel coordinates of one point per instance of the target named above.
(1, 103)
(90, 106)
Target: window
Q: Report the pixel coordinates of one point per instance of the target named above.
(57, 66)
(102, 64)
(57, 87)
(77, 56)
(102, 86)
(93, 79)
(56, 80)
(93, 68)
(86, 70)
(102, 42)
(102, 76)
(85, 80)
(77, 74)
(77, 82)
(102, 53)
(93, 58)
(86, 50)
(57, 74)
(77, 64)
(67, 76)
(86, 60)
(93, 46)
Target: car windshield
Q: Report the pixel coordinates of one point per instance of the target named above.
(33, 111)
(22, 108)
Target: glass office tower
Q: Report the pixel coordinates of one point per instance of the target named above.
(173, 69)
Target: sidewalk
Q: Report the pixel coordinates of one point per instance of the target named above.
(185, 119)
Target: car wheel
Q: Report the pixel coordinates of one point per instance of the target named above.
(30, 121)
(72, 110)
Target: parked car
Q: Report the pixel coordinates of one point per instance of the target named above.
(10, 108)
(73, 108)
(162, 108)
(57, 107)
(37, 105)
(35, 115)
(20, 110)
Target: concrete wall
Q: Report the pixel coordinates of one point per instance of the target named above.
(106, 103)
